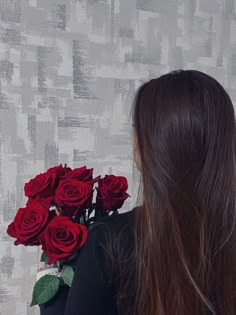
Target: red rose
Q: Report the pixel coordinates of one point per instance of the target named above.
(59, 170)
(28, 223)
(82, 174)
(62, 238)
(46, 202)
(43, 185)
(73, 195)
(111, 192)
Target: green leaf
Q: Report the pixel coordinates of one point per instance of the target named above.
(44, 258)
(67, 274)
(81, 220)
(45, 289)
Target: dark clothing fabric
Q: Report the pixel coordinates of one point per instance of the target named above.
(56, 306)
(100, 263)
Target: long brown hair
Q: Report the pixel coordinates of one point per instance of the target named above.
(185, 244)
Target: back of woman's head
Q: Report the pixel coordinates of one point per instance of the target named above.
(185, 257)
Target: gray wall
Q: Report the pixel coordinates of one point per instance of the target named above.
(68, 73)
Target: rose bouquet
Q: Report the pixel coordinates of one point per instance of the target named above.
(57, 215)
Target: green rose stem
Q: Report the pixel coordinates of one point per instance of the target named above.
(97, 213)
(59, 265)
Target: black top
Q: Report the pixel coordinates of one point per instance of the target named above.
(98, 269)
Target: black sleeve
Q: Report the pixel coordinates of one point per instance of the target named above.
(57, 304)
(91, 292)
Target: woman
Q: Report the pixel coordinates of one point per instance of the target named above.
(176, 253)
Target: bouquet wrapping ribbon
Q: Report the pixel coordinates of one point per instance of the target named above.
(50, 271)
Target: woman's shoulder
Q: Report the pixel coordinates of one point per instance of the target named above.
(111, 232)
(116, 220)
(114, 224)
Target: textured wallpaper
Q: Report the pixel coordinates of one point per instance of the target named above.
(68, 73)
